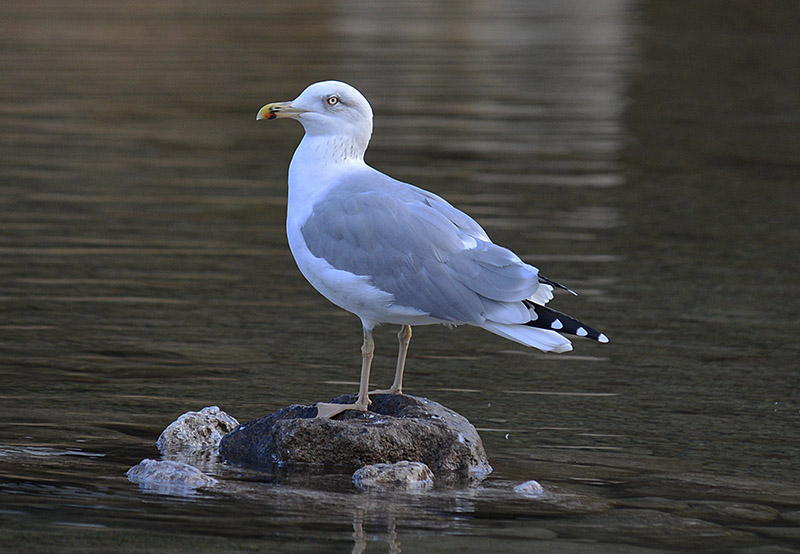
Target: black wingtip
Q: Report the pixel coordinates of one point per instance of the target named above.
(546, 281)
(547, 318)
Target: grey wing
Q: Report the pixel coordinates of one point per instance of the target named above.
(458, 218)
(423, 251)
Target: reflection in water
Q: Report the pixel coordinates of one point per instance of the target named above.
(360, 537)
(645, 154)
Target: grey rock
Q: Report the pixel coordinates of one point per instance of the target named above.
(168, 477)
(530, 489)
(401, 475)
(196, 431)
(396, 428)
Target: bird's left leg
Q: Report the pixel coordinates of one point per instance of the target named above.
(403, 337)
(326, 409)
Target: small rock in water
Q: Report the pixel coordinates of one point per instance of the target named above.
(401, 475)
(169, 477)
(196, 431)
(529, 488)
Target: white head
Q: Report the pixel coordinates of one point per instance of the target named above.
(328, 109)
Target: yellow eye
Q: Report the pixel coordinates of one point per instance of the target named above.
(332, 100)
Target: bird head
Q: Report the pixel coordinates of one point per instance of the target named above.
(327, 108)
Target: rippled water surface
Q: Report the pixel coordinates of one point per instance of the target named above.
(644, 153)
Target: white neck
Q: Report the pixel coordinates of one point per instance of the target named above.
(316, 165)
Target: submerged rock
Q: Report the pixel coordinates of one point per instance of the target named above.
(168, 477)
(401, 475)
(729, 512)
(396, 428)
(196, 431)
(645, 525)
(530, 488)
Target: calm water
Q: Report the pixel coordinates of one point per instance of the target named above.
(644, 153)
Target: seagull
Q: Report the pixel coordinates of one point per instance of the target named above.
(390, 252)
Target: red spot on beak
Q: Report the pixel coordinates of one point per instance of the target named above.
(272, 115)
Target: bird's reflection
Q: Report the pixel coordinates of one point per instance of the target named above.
(360, 536)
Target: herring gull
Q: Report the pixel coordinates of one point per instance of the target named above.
(390, 252)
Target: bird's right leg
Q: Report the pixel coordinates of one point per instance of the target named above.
(326, 409)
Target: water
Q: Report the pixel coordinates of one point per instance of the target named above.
(646, 154)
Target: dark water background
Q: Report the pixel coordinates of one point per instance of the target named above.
(645, 153)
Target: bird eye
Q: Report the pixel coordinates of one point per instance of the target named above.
(332, 100)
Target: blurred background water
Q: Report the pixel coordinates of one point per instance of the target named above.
(644, 153)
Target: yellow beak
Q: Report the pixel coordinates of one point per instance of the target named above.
(278, 109)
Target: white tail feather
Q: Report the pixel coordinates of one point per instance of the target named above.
(543, 339)
(543, 294)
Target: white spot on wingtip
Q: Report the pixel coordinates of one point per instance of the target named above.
(602, 338)
(581, 332)
(556, 324)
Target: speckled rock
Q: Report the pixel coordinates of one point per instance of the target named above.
(169, 477)
(195, 431)
(401, 475)
(396, 428)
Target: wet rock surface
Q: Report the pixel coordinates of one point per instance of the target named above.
(168, 477)
(396, 428)
(400, 476)
(531, 489)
